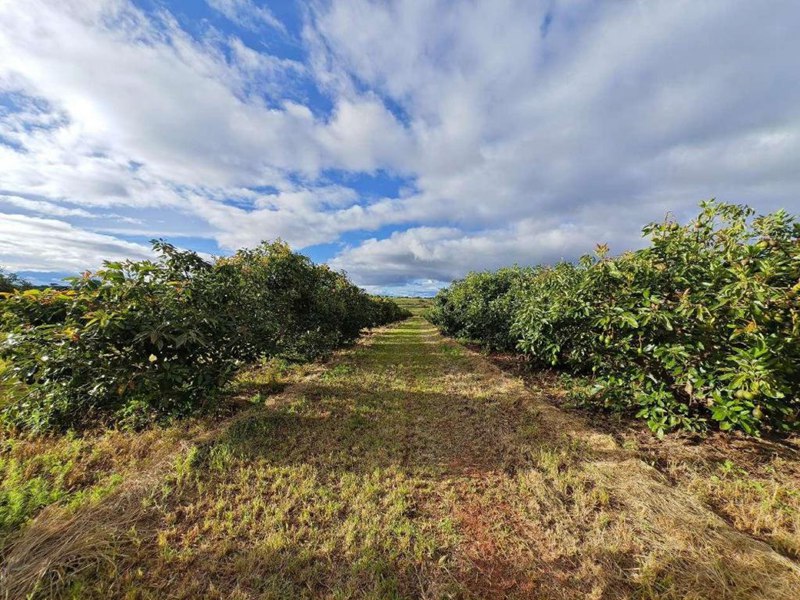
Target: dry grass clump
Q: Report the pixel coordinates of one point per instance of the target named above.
(61, 543)
(753, 484)
(692, 552)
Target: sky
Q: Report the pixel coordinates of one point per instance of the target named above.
(404, 142)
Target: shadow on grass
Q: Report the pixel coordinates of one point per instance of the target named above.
(338, 428)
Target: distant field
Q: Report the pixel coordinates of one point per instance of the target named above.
(417, 306)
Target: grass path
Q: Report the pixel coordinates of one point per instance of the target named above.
(411, 467)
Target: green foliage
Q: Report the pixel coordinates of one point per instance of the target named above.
(137, 340)
(481, 306)
(701, 326)
(384, 310)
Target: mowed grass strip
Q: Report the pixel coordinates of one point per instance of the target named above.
(411, 467)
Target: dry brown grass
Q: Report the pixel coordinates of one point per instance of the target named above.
(753, 484)
(65, 539)
(61, 543)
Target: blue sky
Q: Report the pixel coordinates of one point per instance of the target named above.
(404, 142)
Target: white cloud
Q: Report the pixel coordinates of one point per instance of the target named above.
(445, 253)
(301, 216)
(35, 244)
(247, 14)
(530, 130)
(511, 122)
(43, 207)
(622, 112)
(120, 109)
(145, 92)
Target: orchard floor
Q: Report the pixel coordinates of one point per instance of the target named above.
(407, 467)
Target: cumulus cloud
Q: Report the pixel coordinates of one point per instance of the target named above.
(117, 108)
(513, 121)
(36, 244)
(441, 254)
(615, 113)
(523, 131)
(43, 207)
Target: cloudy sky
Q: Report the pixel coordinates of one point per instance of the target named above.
(405, 142)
